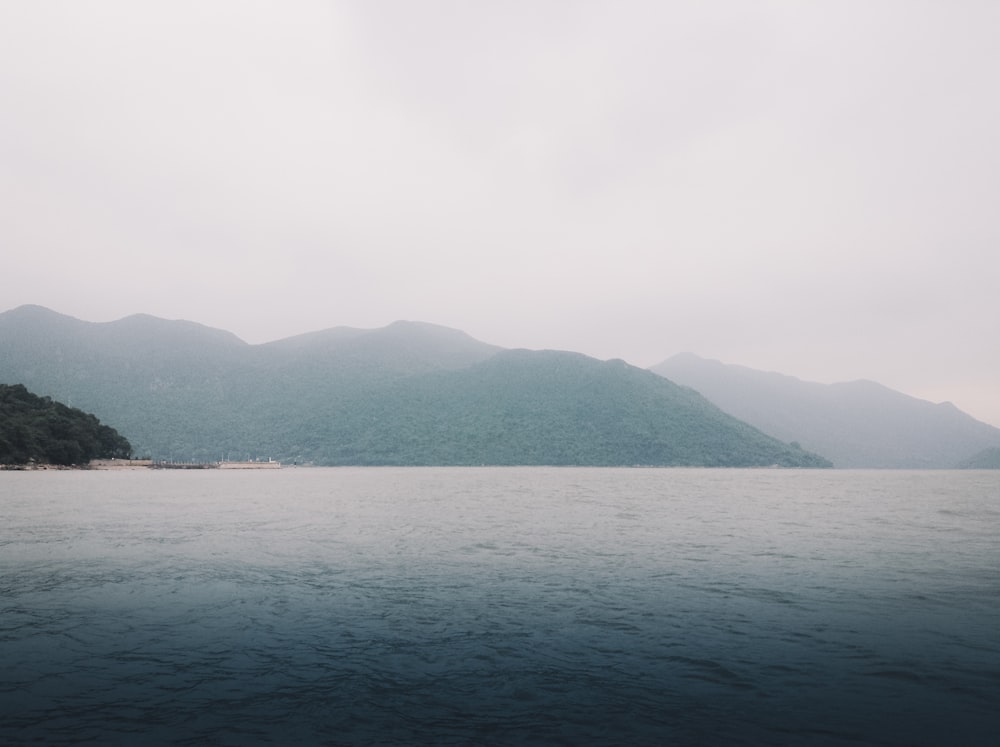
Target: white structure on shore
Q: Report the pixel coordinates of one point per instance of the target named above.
(269, 464)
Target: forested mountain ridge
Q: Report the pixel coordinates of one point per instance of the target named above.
(858, 424)
(550, 407)
(409, 393)
(38, 429)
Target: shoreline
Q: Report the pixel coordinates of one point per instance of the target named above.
(137, 464)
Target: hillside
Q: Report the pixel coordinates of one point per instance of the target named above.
(857, 424)
(985, 459)
(545, 407)
(410, 393)
(37, 429)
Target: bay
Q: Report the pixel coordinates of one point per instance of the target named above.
(500, 606)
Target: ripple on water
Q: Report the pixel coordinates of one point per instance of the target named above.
(491, 607)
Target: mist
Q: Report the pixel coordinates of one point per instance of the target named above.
(808, 189)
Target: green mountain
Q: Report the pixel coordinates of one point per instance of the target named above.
(37, 429)
(859, 424)
(407, 394)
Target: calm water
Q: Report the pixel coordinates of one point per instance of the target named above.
(500, 606)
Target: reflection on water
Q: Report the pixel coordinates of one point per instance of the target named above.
(498, 606)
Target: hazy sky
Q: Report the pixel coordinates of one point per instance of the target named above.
(806, 187)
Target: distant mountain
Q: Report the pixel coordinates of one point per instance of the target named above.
(854, 424)
(985, 459)
(552, 407)
(410, 393)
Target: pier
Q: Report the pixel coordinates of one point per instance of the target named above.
(269, 464)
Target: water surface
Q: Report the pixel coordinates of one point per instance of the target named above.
(500, 606)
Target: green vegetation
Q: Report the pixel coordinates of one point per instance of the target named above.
(36, 429)
(544, 408)
(406, 394)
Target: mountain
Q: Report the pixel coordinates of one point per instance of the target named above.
(37, 429)
(857, 424)
(985, 459)
(410, 393)
(552, 407)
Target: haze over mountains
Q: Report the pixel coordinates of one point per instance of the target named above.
(854, 424)
(416, 393)
(409, 393)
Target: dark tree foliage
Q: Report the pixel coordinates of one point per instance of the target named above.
(34, 428)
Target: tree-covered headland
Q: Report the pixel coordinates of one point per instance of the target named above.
(38, 429)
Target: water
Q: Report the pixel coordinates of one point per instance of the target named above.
(500, 606)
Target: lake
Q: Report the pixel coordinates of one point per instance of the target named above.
(455, 606)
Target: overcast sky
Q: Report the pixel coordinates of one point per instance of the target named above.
(804, 187)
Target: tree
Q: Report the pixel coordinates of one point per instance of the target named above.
(34, 428)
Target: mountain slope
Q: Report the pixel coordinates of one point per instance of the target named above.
(409, 393)
(37, 429)
(165, 384)
(549, 407)
(985, 459)
(854, 424)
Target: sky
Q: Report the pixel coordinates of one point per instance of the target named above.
(804, 187)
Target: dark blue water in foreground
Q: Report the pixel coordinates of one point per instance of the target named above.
(500, 606)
